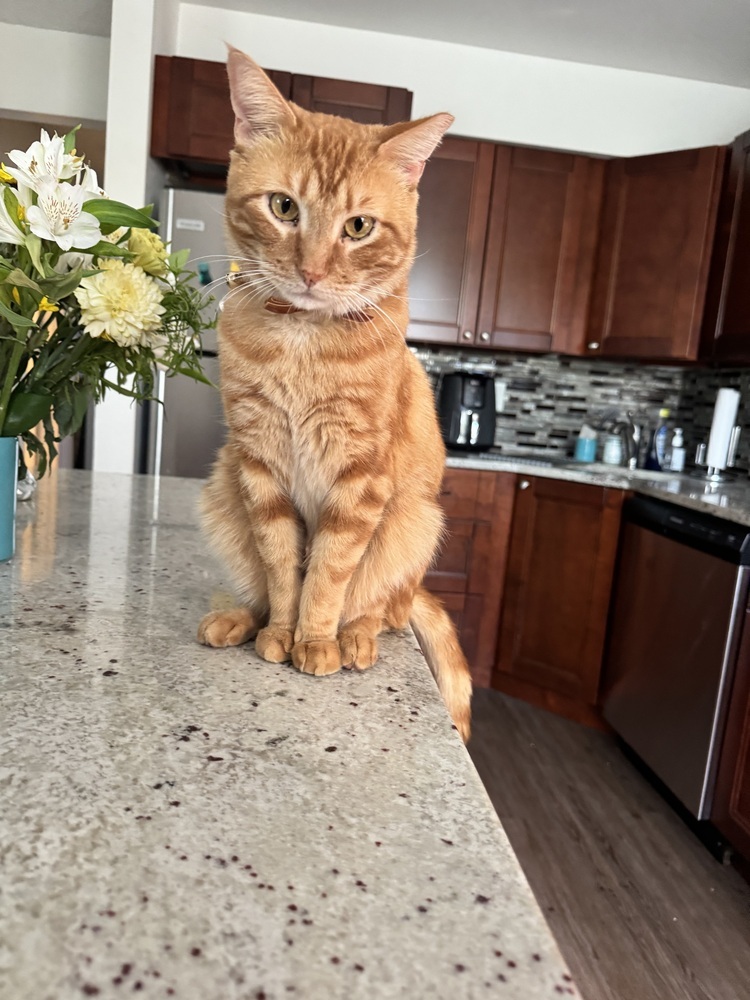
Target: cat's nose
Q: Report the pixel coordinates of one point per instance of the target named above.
(311, 277)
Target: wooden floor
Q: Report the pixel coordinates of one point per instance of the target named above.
(639, 907)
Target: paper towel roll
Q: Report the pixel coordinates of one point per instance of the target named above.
(725, 417)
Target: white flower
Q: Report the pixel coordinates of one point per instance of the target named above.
(25, 196)
(70, 261)
(122, 304)
(45, 159)
(90, 183)
(58, 216)
(9, 231)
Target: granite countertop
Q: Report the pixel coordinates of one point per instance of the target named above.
(730, 500)
(195, 823)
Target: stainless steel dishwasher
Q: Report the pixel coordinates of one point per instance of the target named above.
(679, 598)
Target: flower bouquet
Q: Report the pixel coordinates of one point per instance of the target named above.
(90, 298)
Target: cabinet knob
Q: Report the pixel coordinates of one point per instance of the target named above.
(484, 337)
(467, 335)
(524, 484)
(594, 345)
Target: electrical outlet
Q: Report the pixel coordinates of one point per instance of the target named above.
(500, 390)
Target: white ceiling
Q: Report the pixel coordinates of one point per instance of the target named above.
(698, 39)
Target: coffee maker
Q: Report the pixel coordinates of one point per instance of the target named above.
(466, 408)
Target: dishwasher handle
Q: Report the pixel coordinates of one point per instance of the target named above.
(713, 535)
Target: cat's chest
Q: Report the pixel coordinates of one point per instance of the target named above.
(316, 444)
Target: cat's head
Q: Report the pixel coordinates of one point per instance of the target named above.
(321, 210)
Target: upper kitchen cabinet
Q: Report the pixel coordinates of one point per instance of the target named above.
(193, 122)
(506, 240)
(362, 102)
(446, 276)
(726, 326)
(657, 233)
(539, 257)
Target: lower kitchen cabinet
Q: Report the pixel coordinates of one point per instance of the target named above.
(561, 560)
(470, 569)
(731, 807)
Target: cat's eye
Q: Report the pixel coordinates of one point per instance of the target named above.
(358, 227)
(284, 207)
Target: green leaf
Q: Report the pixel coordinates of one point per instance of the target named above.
(113, 214)
(69, 142)
(106, 249)
(69, 413)
(11, 204)
(15, 319)
(34, 246)
(20, 280)
(178, 260)
(58, 287)
(25, 410)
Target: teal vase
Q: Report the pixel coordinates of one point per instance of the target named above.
(8, 477)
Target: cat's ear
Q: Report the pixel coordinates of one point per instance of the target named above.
(410, 144)
(259, 108)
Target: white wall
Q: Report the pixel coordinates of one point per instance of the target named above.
(53, 74)
(494, 95)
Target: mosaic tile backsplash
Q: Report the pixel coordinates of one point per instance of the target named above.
(548, 397)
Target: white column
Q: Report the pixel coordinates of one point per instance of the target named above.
(139, 30)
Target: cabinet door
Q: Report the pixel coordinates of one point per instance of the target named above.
(362, 102)
(192, 116)
(727, 321)
(658, 226)
(560, 566)
(453, 203)
(730, 811)
(539, 260)
(469, 571)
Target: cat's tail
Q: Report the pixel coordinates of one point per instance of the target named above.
(437, 637)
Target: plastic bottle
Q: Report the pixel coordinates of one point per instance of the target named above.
(658, 443)
(677, 463)
(612, 454)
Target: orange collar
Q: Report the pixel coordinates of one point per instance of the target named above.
(282, 308)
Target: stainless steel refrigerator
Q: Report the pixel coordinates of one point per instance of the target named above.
(181, 437)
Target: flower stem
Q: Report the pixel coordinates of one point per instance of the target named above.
(10, 376)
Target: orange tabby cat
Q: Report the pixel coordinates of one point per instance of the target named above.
(323, 502)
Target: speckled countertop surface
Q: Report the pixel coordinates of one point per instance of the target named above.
(199, 824)
(730, 500)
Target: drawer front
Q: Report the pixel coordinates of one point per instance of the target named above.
(459, 492)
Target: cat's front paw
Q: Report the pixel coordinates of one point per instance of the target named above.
(318, 656)
(359, 649)
(227, 628)
(274, 643)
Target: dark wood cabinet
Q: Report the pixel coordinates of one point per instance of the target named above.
(560, 566)
(539, 257)
(192, 117)
(657, 233)
(362, 102)
(446, 276)
(193, 122)
(506, 240)
(469, 572)
(730, 812)
(726, 327)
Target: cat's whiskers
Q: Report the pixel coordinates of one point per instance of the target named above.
(364, 299)
(249, 291)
